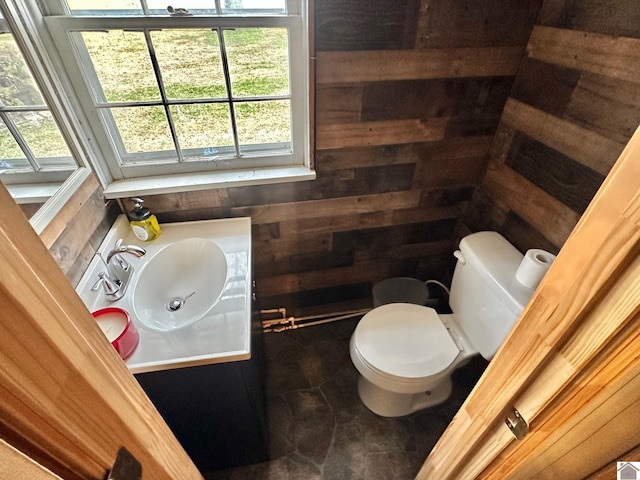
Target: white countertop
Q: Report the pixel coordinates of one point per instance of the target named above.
(223, 334)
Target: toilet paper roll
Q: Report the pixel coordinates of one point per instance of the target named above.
(534, 265)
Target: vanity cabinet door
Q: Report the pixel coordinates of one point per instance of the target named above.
(215, 411)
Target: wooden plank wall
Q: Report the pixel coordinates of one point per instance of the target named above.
(77, 231)
(575, 103)
(408, 97)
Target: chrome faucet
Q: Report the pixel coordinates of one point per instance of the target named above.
(116, 279)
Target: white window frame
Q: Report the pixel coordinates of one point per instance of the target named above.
(122, 180)
(46, 171)
(22, 19)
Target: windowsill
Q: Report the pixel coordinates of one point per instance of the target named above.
(33, 192)
(188, 182)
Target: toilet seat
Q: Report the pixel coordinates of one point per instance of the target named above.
(405, 341)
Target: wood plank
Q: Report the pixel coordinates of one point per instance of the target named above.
(328, 208)
(450, 172)
(80, 230)
(585, 146)
(523, 236)
(618, 18)
(412, 250)
(485, 213)
(326, 301)
(617, 57)
(456, 23)
(450, 97)
(360, 25)
(181, 201)
(608, 106)
(380, 155)
(345, 135)
(314, 280)
(345, 182)
(69, 212)
(291, 229)
(338, 104)
(383, 65)
(549, 216)
(302, 244)
(545, 86)
(565, 179)
(15, 464)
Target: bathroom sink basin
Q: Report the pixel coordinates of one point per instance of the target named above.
(180, 284)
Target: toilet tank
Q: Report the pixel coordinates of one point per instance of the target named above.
(486, 298)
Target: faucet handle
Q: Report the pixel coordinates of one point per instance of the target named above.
(109, 286)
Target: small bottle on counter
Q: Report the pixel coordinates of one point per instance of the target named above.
(143, 223)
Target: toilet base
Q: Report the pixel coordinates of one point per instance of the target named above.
(390, 404)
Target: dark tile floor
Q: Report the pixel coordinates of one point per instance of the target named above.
(318, 427)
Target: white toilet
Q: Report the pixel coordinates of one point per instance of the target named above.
(406, 353)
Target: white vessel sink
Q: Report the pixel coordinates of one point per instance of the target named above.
(180, 284)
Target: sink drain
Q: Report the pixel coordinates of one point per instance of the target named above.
(176, 303)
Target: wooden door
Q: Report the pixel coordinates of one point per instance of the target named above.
(571, 365)
(66, 399)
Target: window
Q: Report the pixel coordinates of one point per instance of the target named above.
(212, 86)
(34, 157)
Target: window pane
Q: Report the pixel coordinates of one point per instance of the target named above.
(159, 7)
(184, 73)
(263, 122)
(41, 133)
(143, 129)
(17, 87)
(194, 7)
(122, 64)
(258, 61)
(104, 7)
(203, 127)
(256, 7)
(11, 155)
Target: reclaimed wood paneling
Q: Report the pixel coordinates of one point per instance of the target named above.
(563, 178)
(389, 65)
(616, 57)
(363, 25)
(581, 144)
(385, 132)
(75, 234)
(611, 17)
(460, 23)
(574, 105)
(547, 214)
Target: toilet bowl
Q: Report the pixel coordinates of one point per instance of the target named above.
(405, 353)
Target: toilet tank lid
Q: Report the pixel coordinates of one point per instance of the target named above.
(497, 260)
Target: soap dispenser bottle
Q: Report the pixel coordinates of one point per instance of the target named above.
(143, 223)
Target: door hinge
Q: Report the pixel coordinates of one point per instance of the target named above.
(517, 424)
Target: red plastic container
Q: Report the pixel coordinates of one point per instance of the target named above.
(117, 326)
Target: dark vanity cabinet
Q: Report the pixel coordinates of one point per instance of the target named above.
(216, 411)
